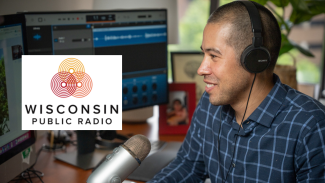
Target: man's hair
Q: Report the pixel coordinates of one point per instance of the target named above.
(240, 36)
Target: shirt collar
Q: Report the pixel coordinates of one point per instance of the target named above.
(266, 111)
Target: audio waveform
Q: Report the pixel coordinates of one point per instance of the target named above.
(150, 35)
(107, 38)
(146, 35)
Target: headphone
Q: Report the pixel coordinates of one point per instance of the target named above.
(255, 58)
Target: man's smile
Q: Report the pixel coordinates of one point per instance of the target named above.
(209, 86)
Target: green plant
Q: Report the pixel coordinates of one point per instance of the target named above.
(302, 10)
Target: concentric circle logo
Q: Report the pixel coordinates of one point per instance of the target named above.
(71, 80)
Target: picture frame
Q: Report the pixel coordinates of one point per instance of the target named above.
(184, 66)
(175, 117)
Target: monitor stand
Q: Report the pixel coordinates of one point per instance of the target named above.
(83, 161)
(87, 156)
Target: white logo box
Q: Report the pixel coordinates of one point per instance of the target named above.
(104, 101)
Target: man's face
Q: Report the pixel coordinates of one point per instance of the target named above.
(227, 81)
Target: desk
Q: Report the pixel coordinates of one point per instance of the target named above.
(57, 171)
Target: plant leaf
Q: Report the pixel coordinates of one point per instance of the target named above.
(280, 3)
(301, 49)
(262, 2)
(316, 7)
(299, 5)
(287, 45)
(301, 13)
(298, 16)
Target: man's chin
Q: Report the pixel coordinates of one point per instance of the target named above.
(214, 101)
(218, 100)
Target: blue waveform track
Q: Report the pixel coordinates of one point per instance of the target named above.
(129, 35)
(108, 38)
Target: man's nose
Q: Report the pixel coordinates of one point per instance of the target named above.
(204, 68)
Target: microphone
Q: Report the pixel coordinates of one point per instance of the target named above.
(122, 162)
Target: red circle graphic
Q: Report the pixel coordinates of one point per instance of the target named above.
(70, 84)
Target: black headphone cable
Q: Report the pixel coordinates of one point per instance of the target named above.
(241, 125)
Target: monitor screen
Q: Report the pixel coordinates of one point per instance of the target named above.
(13, 140)
(140, 36)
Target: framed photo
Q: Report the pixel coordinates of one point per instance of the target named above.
(184, 69)
(175, 117)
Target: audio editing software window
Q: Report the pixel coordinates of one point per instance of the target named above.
(139, 36)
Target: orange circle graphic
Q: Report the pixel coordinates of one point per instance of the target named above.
(74, 64)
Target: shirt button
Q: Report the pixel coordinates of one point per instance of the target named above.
(233, 165)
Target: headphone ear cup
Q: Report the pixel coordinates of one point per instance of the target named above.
(255, 60)
(243, 56)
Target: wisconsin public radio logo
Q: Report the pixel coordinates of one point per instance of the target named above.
(71, 80)
(72, 102)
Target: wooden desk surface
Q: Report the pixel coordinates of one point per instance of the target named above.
(58, 171)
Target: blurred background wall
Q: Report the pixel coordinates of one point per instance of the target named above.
(13, 6)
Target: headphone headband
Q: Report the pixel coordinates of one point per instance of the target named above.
(256, 23)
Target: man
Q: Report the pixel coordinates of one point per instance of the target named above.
(281, 136)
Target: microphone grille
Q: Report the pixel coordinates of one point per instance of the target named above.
(139, 145)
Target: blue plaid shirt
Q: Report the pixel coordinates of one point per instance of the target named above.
(281, 141)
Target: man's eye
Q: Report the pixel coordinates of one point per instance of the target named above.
(213, 56)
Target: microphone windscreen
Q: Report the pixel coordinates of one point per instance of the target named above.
(138, 146)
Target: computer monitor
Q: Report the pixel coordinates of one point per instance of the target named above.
(140, 36)
(17, 152)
